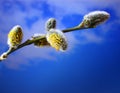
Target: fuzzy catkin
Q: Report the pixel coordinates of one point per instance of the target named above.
(57, 39)
(15, 36)
(95, 18)
(50, 24)
(40, 43)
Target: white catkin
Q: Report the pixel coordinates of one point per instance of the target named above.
(96, 13)
(50, 24)
(96, 17)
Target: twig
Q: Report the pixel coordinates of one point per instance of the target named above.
(90, 20)
(31, 41)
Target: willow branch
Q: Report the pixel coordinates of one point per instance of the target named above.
(31, 41)
(90, 20)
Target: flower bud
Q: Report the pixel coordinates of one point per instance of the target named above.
(50, 24)
(95, 18)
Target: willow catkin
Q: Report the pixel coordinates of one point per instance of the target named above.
(57, 39)
(95, 18)
(50, 24)
(15, 36)
(42, 42)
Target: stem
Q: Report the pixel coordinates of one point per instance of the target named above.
(79, 27)
(27, 42)
(71, 29)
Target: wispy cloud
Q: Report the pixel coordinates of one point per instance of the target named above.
(81, 6)
(90, 37)
(30, 15)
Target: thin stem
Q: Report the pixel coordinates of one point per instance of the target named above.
(27, 42)
(71, 29)
(79, 27)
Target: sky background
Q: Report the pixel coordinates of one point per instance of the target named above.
(90, 65)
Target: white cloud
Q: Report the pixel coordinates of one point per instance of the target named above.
(81, 6)
(90, 37)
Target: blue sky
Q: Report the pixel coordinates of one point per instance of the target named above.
(91, 63)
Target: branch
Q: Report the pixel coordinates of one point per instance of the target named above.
(90, 20)
(31, 41)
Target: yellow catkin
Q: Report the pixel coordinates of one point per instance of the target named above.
(57, 40)
(15, 36)
(41, 43)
